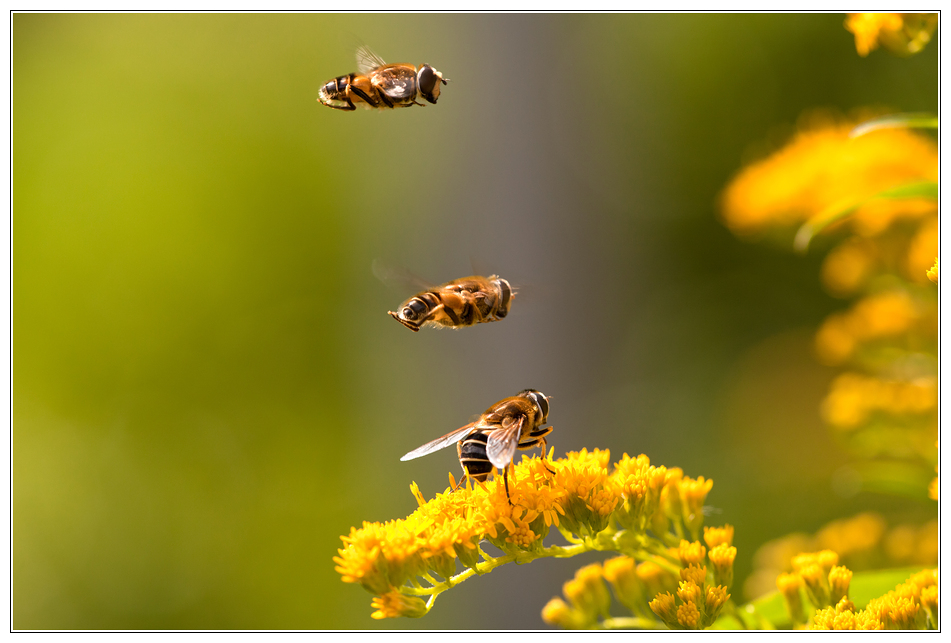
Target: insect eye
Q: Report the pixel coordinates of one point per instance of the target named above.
(543, 405)
(414, 309)
(426, 80)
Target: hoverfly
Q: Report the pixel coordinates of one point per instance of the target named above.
(458, 303)
(490, 442)
(381, 86)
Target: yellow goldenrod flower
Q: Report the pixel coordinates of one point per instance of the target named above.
(393, 604)
(904, 608)
(671, 505)
(901, 33)
(839, 579)
(691, 553)
(848, 266)
(655, 578)
(715, 600)
(844, 604)
(933, 272)
(696, 574)
(789, 586)
(691, 592)
(399, 560)
(621, 573)
(883, 315)
(827, 559)
(589, 593)
(714, 536)
(929, 603)
(816, 584)
(640, 485)
(663, 606)
(591, 494)
(694, 494)
(588, 598)
(814, 569)
(557, 612)
(380, 556)
(688, 616)
(853, 398)
(823, 171)
(722, 557)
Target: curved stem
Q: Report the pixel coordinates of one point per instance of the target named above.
(631, 623)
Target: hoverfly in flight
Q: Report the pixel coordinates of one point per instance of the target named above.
(455, 304)
(377, 85)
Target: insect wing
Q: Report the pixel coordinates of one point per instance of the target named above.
(400, 279)
(367, 61)
(439, 443)
(501, 444)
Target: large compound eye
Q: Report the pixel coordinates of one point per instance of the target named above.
(542, 404)
(413, 310)
(428, 83)
(426, 80)
(540, 401)
(506, 290)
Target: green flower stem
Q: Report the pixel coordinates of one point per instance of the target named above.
(608, 540)
(631, 623)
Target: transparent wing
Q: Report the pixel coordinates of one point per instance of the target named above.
(501, 444)
(367, 61)
(399, 279)
(439, 443)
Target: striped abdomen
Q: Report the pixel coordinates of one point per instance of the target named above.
(472, 456)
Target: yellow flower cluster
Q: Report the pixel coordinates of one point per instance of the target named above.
(825, 581)
(578, 494)
(588, 598)
(635, 584)
(877, 190)
(901, 33)
(853, 398)
(912, 605)
(886, 315)
(698, 599)
(823, 171)
(864, 541)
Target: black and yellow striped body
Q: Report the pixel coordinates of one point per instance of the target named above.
(457, 304)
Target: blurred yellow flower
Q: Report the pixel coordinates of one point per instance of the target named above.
(853, 398)
(900, 33)
(848, 266)
(861, 542)
(789, 585)
(882, 315)
(823, 171)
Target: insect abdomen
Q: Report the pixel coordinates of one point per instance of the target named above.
(473, 457)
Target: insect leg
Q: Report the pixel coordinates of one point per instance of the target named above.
(451, 313)
(363, 95)
(505, 478)
(385, 98)
(349, 107)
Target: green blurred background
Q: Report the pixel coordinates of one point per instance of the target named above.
(207, 390)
